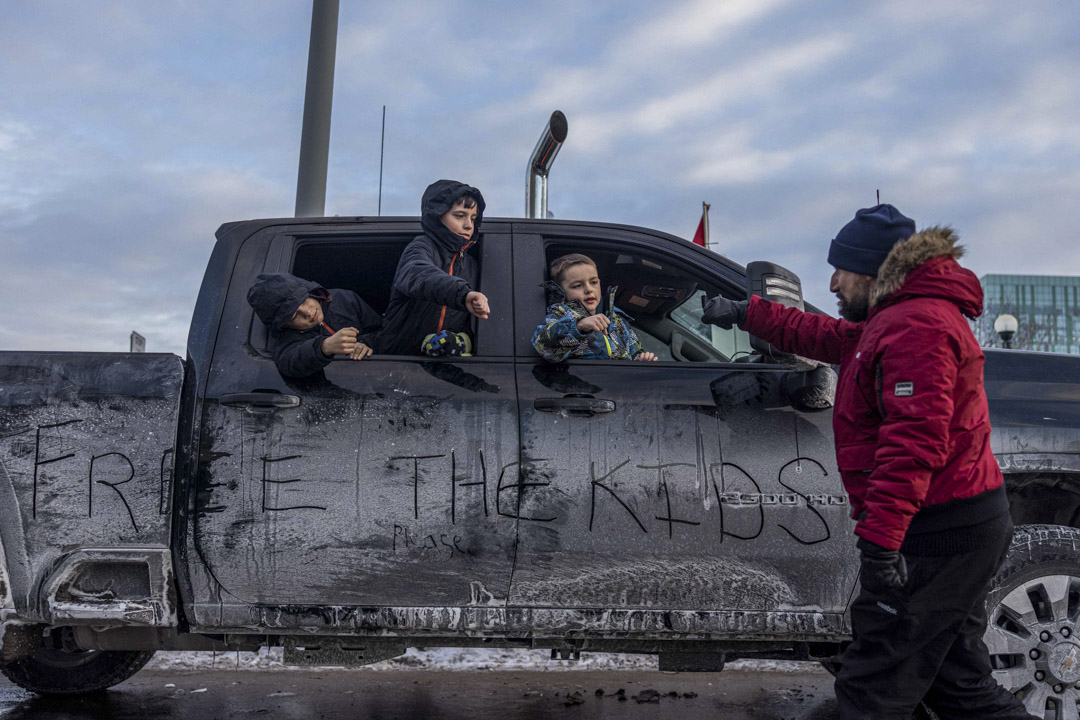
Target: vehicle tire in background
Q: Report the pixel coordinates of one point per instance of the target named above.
(51, 671)
(1033, 615)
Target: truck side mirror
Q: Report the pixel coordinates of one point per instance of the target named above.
(779, 285)
(811, 387)
(811, 391)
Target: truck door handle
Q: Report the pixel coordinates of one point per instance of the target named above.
(584, 405)
(260, 401)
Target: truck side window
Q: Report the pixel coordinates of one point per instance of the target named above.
(664, 303)
(364, 265)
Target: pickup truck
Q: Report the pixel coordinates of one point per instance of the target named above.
(689, 507)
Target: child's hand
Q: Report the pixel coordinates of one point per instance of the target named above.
(593, 323)
(477, 304)
(343, 342)
(647, 356)
(362, 351)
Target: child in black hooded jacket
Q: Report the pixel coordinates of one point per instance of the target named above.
(309, 324)
(434, 286)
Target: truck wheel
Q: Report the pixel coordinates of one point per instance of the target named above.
(1033, 619)
(63, 671)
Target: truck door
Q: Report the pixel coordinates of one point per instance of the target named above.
(684, 484)
(369, 484)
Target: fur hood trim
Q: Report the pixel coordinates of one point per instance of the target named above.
(909, 254)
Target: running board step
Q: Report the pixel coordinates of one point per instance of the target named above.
(692, 661)
(339, 652)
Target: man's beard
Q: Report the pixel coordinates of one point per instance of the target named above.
(855, 309)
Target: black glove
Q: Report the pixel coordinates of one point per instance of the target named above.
(723, 312)
(880, 569)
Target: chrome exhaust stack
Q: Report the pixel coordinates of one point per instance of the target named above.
(536, 197)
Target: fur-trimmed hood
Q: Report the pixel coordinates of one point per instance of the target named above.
(925, 265)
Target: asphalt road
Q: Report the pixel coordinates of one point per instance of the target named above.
(441, 695)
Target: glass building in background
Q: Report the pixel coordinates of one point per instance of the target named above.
(1047, 308)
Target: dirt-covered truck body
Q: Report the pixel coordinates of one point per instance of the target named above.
(689, 507)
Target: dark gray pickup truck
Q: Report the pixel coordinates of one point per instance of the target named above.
(689, 507)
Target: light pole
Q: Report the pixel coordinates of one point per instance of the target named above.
(1005, 326)
(318, 99)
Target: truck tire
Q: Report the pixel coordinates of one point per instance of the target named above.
(52, 671)
(1033, 615)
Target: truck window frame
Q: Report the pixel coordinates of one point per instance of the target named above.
(714, 277)
(282, 257)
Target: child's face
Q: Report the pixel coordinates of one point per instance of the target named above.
(580, 282)
(460, 220)
(309, 315)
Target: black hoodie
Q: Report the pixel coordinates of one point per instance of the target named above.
(297, 353)
(434, 272)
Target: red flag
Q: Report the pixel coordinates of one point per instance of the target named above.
(701, 237)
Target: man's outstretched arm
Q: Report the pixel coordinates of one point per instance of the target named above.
(818, 337)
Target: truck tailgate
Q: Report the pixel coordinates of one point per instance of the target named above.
(86, 465)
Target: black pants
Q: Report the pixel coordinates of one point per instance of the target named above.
(924, 641)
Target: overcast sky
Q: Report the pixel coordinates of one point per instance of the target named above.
(130, 130)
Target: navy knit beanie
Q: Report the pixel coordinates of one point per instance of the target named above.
(862, 245)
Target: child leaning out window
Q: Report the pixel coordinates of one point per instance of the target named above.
(581, 322)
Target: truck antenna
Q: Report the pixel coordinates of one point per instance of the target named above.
(878, 191)
(382, 144)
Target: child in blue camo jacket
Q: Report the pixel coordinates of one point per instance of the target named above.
(578, 325)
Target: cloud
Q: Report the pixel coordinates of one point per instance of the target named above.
(89, 253)
(768, 73)
(731, 159)
(11, 133)
(765, 74)
(689, 25)
(119, 160)
(645, 57)
(917, 15)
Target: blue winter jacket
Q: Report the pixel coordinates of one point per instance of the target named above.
(558, 337)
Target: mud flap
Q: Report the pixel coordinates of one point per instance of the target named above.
(18, 641)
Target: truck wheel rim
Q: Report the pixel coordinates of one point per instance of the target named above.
(1034, 648)
(64, 659)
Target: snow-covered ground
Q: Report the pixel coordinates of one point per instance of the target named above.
(457, 659)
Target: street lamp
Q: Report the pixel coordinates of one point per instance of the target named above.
(1005, 327)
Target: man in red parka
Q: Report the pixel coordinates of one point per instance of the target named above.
(912, 436)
